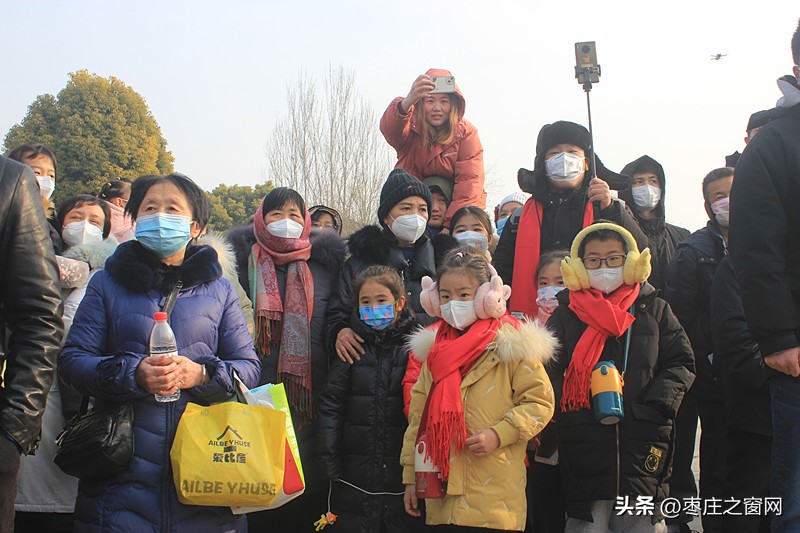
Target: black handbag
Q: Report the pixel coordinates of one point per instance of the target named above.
(97, 444)
(100, 444)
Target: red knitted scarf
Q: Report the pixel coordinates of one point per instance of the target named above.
(604, 316)
(526, 257)
(451, 357)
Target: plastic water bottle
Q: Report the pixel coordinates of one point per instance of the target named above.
(162, 343)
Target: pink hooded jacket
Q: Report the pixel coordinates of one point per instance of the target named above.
(461, 160)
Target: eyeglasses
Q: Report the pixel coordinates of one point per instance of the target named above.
(612, 261)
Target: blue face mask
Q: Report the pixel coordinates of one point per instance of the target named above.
(164, 234)
(378, 317)
(500, 225)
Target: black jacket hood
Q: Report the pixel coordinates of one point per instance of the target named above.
(645, 164)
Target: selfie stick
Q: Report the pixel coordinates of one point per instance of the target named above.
(584, 76)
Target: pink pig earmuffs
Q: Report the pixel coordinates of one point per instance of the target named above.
(490, 298)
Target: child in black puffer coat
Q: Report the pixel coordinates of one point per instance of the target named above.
(361, 420)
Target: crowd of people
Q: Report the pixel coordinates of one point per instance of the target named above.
(535, 370)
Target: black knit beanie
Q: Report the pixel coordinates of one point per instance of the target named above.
(399, 185)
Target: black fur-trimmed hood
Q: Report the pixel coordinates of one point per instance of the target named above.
(370, 245)
(139, 270)
(373, 245)
(327, 248)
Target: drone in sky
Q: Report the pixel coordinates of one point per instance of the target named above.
(717, 57)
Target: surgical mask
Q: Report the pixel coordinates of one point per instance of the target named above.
(47, 184)
(285, 228)
(378, 317)
(82, 232)
(164, 234)
(546, 298)
(564, 167)
(474, 239)
(501, 224)
(721, 209)
(458, 314)
(606, 280)
(409, 228)
(646, 197)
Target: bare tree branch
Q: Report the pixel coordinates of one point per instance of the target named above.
(329, 149)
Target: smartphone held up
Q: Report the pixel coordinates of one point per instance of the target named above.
(586, 67)
(443, 84)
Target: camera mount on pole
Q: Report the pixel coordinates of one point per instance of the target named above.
(586, 75)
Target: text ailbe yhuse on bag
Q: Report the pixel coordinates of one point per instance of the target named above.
(229, 454)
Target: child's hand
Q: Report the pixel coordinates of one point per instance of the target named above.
(410, 501)
(348, 346)
(483, 442)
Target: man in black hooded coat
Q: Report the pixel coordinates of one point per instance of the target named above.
(563, 212)
(664, 237)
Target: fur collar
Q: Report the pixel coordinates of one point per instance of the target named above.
(530, 342)
(327, 248)
(370, 245)
(94, 253)
(139, 270)
(224, 249)
(375, 246)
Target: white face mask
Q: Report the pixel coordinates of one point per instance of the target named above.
(285, 228)
(409, 228)
(47, 184)
(458, 314)
(721, 210)
(606, 280)
(474, 239)
(646, 197)
(82, 232)
(564, 167)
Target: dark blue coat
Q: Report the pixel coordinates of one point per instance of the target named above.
(108, 340)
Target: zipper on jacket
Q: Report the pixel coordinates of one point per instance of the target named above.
(165, 488)
(616, 426)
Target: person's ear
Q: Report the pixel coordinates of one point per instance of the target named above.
(399, 305)
(387, 221)
(195, 230)
(796, 71)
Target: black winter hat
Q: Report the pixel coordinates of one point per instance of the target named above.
(562, 132)
(758, 119)
(399, 185)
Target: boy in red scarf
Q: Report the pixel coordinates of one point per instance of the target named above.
(610, 313)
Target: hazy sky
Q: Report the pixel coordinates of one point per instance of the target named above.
(214, 74)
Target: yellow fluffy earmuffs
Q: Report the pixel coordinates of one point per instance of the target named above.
(637, 265)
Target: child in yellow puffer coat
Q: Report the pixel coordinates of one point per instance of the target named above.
(482, 394)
